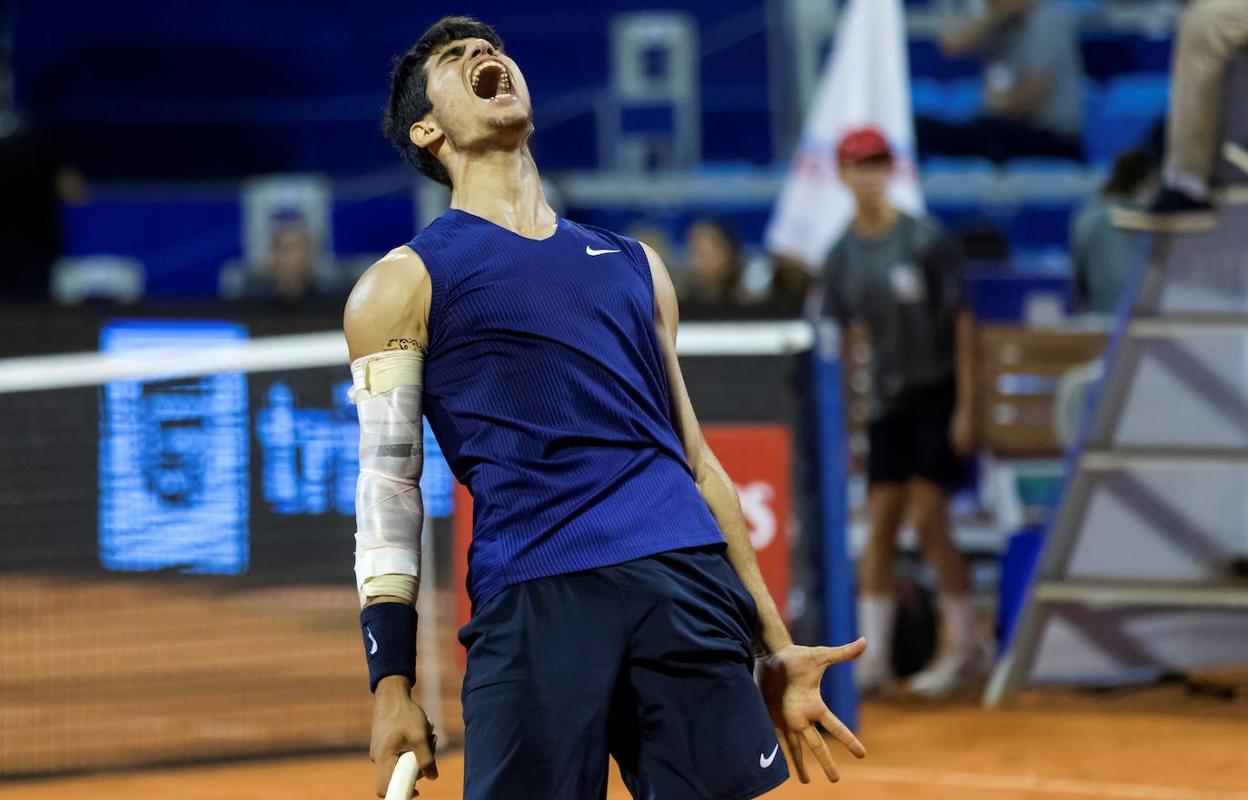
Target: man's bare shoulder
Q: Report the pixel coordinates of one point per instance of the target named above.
(402, 269)
(389, 304)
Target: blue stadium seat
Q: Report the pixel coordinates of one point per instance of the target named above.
(1003, 297)
(1108, 54)
(950, 214)
(1093, 102)
(928, 97)
(1152, 53)
(958, 179)
(1133, 104)
(965, 99)
(1041, 227)
(926, 61)
(957, 214)
(1043, 164)
(728, 167)
(1113, 133)
(1142, 92)
(1041, 261)
(968, 165)
(1026, 178)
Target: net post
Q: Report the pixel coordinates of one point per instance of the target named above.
(836, 571)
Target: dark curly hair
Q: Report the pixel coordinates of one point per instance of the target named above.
(409, 101)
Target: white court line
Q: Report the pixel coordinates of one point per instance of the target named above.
(1034, 783)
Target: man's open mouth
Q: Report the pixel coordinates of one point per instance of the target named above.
(490, 80)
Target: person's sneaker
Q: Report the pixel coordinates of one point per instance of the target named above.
(947, 673)
(1171, 211)
(1237, 154)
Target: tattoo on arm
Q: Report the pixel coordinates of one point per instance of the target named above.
(404, 344)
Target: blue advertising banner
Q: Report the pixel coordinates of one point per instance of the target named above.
(174, 459)
(181, 479)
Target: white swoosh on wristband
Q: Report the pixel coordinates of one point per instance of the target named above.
(373, 651)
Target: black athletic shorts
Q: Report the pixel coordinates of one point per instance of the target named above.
(911, 440)
(649, 661)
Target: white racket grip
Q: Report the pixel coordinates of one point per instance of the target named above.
(403, 779)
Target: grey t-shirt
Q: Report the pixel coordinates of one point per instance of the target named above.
(906, 288)
(1043, 40)
(1105, 256)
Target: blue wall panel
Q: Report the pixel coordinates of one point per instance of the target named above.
(222, 89)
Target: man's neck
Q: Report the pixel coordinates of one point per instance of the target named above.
(874, 223)
(503, 186)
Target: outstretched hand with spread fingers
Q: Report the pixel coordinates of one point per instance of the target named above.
(790, 685)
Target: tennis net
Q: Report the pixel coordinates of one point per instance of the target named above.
(176, 520)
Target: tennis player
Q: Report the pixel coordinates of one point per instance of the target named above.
(617, 604)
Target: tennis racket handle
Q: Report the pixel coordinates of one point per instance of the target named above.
(403, 779)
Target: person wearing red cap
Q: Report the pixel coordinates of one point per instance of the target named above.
(899, 277)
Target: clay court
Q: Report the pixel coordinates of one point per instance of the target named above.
(154, 655)
(1053, 747)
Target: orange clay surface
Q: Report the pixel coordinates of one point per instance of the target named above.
(1160, 745)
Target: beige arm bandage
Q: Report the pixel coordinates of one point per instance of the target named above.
(389, 513)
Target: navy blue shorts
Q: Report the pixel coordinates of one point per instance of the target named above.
(912, 440)
(649, 661)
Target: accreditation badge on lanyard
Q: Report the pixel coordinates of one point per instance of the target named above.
(904, 279)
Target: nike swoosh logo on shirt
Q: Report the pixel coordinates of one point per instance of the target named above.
(373, 651)
(765, 761)
(589, 251)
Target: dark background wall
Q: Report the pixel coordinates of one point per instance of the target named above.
(213, 90)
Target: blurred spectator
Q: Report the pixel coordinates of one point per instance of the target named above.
(790, 286)
(1210, 32)
(900, 278)
(1104, 255)
(291, 274)
(716, 267)
(1033, 85)
(656, 238)
(33, 181)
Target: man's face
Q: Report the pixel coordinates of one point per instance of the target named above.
(710, 254)
(478, 93)
(291, 256)
(868, 179)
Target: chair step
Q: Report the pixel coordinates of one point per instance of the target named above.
(1118, 593)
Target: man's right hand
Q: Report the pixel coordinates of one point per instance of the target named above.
(399, 725)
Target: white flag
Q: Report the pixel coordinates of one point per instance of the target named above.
(865, 82)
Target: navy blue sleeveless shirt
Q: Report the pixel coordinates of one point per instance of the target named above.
(546, 389)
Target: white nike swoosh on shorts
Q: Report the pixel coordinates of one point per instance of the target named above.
(765, 761)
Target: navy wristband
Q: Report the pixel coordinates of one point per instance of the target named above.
(389, 641)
